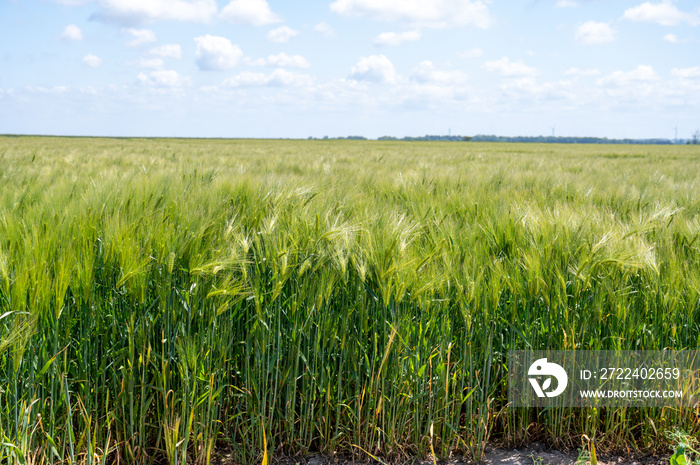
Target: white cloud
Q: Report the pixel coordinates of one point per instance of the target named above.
(475, 52)
(163, 78)
(674, 39)
(255, 12)
(72, 2)
(255, 62)
(152, 63)
(216, 53)
(566, 4)
(72, 33)
(140, 36)
(642, 87)
(88, 90)
(374, 68)
(129, 12)
(640, 74)
(92, 61)
(282, 34)
(592, 33)
(282, 60)
(396, 38)
(528, 88)
(686, 73)
(167, 51)
(278, 78)
(582, 72)
(51, 90)
(284, 78)
(665, 14)
(426, 73)
(324, 29)
(246, 79)
(438, 14)
(508, 68)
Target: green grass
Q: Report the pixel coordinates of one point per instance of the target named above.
(164, 299)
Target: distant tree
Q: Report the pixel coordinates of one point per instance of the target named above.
(695, 138)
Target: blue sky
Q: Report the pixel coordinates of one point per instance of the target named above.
(257, 68)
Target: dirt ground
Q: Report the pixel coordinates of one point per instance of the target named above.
(534, 454)
(537, 454)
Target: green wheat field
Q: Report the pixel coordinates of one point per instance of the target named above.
(170, 301)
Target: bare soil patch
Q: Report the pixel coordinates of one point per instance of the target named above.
(534, 454)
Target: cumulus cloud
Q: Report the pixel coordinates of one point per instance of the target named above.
(282, 34)
(686, 73)
(50, 90)
(507, 68)
(592, 33)
(278, 78)
(92, 61)
(475, 52)
(396, 38)
(374, 68)
(665, 14)
(529, 89)
(324, 29)
(72, 2)
(130, 12)
(140, 36)
(246, 79)
(283, 78)
(71, 33)
(216, 53)
(641, 86)
(437, 14)
(426, 73)
(282, 60)
(151, 63)
(255, 12)
(582, 72)
(640, 74)
(163, 78)
(673, 38)
(167, 51)
(255, 62)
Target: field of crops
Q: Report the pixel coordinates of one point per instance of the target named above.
(162, 300)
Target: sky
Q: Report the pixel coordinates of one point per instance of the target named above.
(315, 68)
